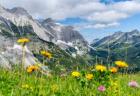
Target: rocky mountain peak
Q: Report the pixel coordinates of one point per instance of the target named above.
(120, 45)
(49, 20)
(132, 38)
(64, 33)
(46, 34)
(18, 20)
(2, 9)
(118, 33)
(134, 32)
(19, 11)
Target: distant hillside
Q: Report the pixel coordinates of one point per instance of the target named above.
(119, 46)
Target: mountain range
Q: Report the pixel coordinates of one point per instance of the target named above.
(119, 46)
(63, 41)
(46, 34)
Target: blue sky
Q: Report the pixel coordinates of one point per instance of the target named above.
(125, 25)
(93, 18)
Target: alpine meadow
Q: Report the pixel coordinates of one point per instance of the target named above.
(69, 47)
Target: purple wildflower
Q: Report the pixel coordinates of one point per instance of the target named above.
(133, 84)
(101, 88)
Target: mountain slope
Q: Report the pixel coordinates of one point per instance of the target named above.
(118, 39)
(61, 32)
(16, 23)
(46, 30)
(119, 46)
(66, 36)
(21, 20)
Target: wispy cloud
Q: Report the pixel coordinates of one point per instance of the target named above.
(102, 25)
(96, 25)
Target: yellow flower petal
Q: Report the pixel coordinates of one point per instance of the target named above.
(89, 76)
(121, 64)
(113, 69)
(46, 54)
(23, 40)
(75, 74)
(100, 68)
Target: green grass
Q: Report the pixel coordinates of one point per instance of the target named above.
(16, 83)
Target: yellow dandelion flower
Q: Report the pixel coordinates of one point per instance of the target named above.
(113, 69)
(29, 70)
(75, 74)
(121, 64)
(100, 68)
(46, 54)
(23, 40)
(89, 76)
(32, 68)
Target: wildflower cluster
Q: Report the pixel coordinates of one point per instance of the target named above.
(30, 69)
(101, 76)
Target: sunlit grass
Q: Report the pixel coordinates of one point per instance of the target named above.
(15, 83)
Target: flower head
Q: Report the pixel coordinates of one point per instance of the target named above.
(121, 64)
(89, 76)
(46, 54)
(100, 68)
(133, 84)
(113, 69)
(23, 40)
(101, 88)
(32, 68)
(75, 74)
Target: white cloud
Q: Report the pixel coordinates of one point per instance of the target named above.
(92, 10)
(127, 6)
(102, 25)
(107, 16)
(97, 25)
(57, 9)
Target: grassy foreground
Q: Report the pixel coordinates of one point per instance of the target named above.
(16, 83)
